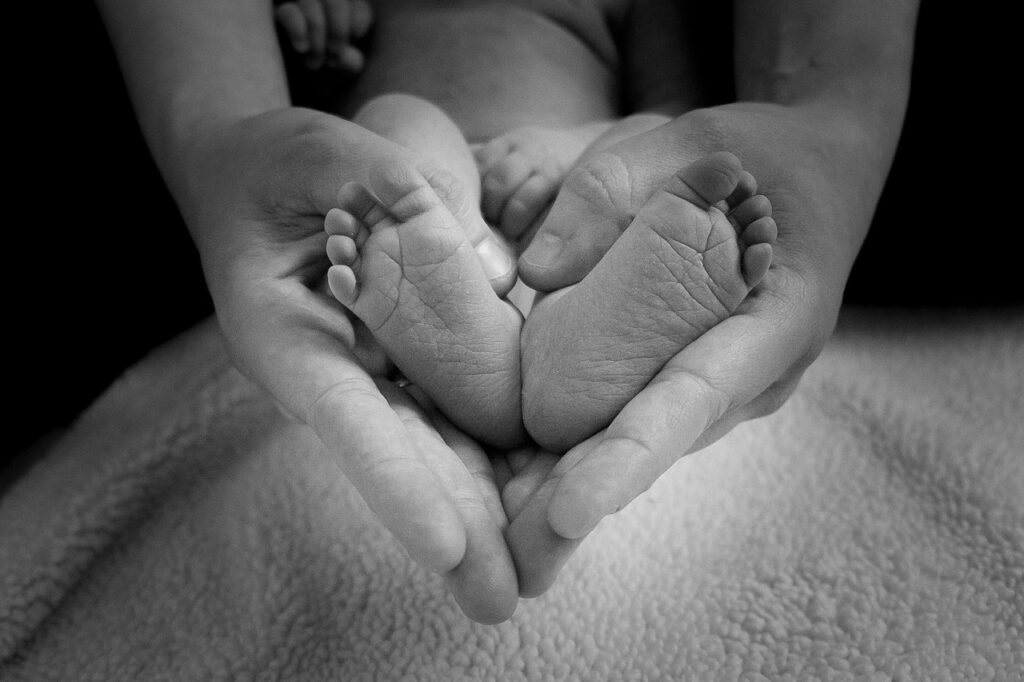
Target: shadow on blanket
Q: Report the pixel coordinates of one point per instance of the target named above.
(873, 528)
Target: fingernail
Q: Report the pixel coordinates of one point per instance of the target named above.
(572, 522)
(544, 250)
(496, 261)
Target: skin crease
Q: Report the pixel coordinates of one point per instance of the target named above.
(826, 87)
(820, 153)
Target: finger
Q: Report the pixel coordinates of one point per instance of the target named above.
(593, 207)
(526, 479)
(484, 583)
(293, 23)
(475, 461)
(531, 232)
(351, 59)
(496, 256)
(766, 403)
(597, 202)
(305, 363)
(745, 188)
(361, 17)
(316, 22)
(338, 22)
(538, 551)
(721, 372)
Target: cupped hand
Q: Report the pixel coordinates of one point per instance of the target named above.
(262, 187)
(811, 165)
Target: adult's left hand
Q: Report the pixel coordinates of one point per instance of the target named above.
(814, 172)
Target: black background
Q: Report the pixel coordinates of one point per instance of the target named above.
(101, 269)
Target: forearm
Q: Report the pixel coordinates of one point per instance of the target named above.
(822, 88)
(192, 66)
(846, 61)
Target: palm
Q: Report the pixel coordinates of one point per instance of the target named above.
(742, 368)
(263, 243)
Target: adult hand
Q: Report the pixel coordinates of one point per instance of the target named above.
(263, 185)
(811, 165)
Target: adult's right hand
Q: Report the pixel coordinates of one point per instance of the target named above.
(261, 188)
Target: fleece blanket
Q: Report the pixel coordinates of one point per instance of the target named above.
(872, 529)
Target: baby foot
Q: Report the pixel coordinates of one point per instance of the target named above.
(402, 264)
(323, 31)
(522, 170)
(686, 262)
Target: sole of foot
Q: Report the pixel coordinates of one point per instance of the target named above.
(400, 261)
(693, 253)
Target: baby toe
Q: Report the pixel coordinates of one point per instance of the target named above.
(293, 22)
(342, 282)
(341, 222)
(357, 200)
(708, 180)
(757, 206)
(756, 261)
(761, 231)
(342, 250)
(746, 187)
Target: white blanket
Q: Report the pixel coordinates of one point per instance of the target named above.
(871, 529)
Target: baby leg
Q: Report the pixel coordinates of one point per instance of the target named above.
(402, 261)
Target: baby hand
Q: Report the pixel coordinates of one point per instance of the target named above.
(324, 31)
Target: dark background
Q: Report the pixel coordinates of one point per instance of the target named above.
(103, 270)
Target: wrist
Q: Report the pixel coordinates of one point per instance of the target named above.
(214, 158)
(820, 165)
(193, 156)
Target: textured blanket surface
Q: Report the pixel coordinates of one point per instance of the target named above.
(871, 529)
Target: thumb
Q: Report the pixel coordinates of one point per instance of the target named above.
(592, 209)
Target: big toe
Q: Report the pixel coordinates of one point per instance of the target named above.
(708, 180)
